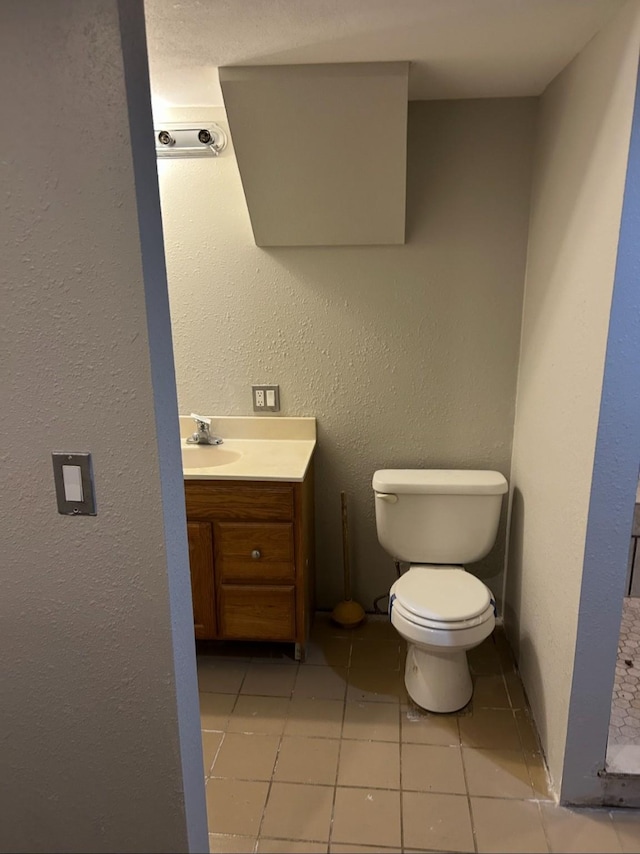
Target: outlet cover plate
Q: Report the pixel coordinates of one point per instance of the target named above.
(266, 389)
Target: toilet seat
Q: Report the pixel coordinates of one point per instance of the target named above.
(441, 625)
(445, 597)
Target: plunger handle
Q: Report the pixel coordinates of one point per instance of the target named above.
(345, 547)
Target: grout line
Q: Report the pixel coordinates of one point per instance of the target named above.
(544, 827)
(344, 712)
(466, 788)
(275, 764)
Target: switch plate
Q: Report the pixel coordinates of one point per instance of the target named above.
(73, 479)
(266, 398)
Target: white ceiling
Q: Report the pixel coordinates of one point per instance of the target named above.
(457, 48)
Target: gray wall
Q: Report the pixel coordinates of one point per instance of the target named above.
(406, 355)
(581, 158)
(100, 746)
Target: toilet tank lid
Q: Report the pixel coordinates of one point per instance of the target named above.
(440, 481)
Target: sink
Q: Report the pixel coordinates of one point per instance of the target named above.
(207, 456)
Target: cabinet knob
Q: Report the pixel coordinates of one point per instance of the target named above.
(255, 554)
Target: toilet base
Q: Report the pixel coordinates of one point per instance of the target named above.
(438, 681)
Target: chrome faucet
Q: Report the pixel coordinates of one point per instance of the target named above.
(202, 436)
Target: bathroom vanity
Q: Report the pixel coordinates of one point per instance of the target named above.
(250, 525)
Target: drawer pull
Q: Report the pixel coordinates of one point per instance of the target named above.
(255, 554)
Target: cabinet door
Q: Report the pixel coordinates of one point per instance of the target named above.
(249, 612)
(202, 582)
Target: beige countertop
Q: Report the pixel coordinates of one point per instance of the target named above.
(253, 448)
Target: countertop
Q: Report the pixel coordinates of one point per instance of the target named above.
(253, 448)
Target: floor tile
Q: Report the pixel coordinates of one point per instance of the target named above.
(579, 830)
(371, 721)
(323, 626)
(329, 651)
(221, 677)
(215, 710)
(375, 628)
(307, 760)
(259, 714)
(276, 653)
(420, 727)
(436, 822)
(244, 756)
(497, 773)
(504, 650)
(491, 728)
(526, 729)
(507, 826)
(624, 723)
(383, 654)
(539, 776)
(626, 823)
(374, 764)
(221, 843)
(210, 744)
(235, 806)
(484, 659)
(367, 684)
(298, 812)
(429, 768)
(286, 846)
(489, 692)
(321, 718)
(321, 683)
(366, 817)
(515, 690)
(271, 680)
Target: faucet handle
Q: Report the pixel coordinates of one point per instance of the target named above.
(201, 419)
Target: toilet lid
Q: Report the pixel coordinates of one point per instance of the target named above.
(443, 593)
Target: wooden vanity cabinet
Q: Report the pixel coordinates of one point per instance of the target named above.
(251, 554)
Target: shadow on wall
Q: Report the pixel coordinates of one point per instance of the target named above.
(513, 586)
(522, 646)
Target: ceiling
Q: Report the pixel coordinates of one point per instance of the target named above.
(457, 48)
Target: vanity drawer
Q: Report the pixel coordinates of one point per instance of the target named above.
(257, 612)
(256, 501)
(255, 551)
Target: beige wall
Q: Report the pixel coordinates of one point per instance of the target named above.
(581, 157)
(406, 355)
(100, 747)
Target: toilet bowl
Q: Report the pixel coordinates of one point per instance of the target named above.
(441, 612)
(437, 520)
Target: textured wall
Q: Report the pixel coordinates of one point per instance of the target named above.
(95, 743)
(406, 355)
(581, 158)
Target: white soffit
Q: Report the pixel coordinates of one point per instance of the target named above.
(321, 150)
(457, 48)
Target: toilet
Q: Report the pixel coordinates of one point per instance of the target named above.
(437, 520)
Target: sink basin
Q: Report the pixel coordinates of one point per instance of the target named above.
(207, 456)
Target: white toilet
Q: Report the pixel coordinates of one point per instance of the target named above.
(436, 520)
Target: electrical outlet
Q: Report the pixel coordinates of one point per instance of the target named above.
(266, 398)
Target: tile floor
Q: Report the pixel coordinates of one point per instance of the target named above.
(623, 748)
(330, 756)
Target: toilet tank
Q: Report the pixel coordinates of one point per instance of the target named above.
(438, 515)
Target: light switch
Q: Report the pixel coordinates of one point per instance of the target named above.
(271, 397)
(72, 478)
